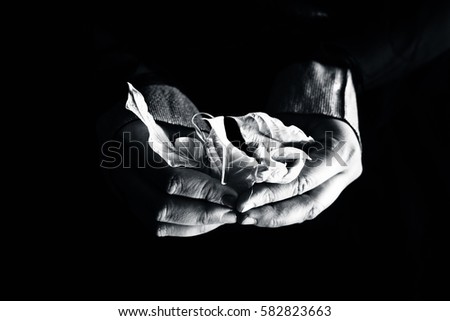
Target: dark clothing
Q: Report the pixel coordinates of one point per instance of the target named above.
(220, 53)
(379, 41)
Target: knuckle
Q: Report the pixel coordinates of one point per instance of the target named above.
(314, 210)
(273, 222)
(347, 153)
(308, 204)
(175, 184)
(203, 218)
(275, 219)
(208, 191)
(166, 213)
(303, 183)
(161, 215)
(268, 196)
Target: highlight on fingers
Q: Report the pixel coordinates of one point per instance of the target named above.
(197, 185)
(182, 211)
(297, 209)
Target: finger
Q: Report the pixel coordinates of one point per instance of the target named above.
(316, 171)
(194, 184)
(150, 205)
(165, 229)
(183, 211)
(299, 208)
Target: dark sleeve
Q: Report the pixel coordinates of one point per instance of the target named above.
(118, 60)
(390, 45)
(370, 49)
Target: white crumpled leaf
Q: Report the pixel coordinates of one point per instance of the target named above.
(266, 135)
(232, 165)
(159, 141)
(260, 127)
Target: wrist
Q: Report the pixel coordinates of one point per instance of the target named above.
(166, 104)
(169, 105)
(312, 88)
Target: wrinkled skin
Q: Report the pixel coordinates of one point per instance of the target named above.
(335, 163)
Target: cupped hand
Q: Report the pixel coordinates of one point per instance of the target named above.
(181, 201)
(335, 163)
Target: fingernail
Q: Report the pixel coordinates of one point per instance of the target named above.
(247, 206)
(248, 221)
(229, 200)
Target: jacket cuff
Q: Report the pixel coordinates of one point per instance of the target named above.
(315, 88)
(169, 105)
(165, 103)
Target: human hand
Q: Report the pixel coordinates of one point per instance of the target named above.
(335, 163)
(181, 201)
